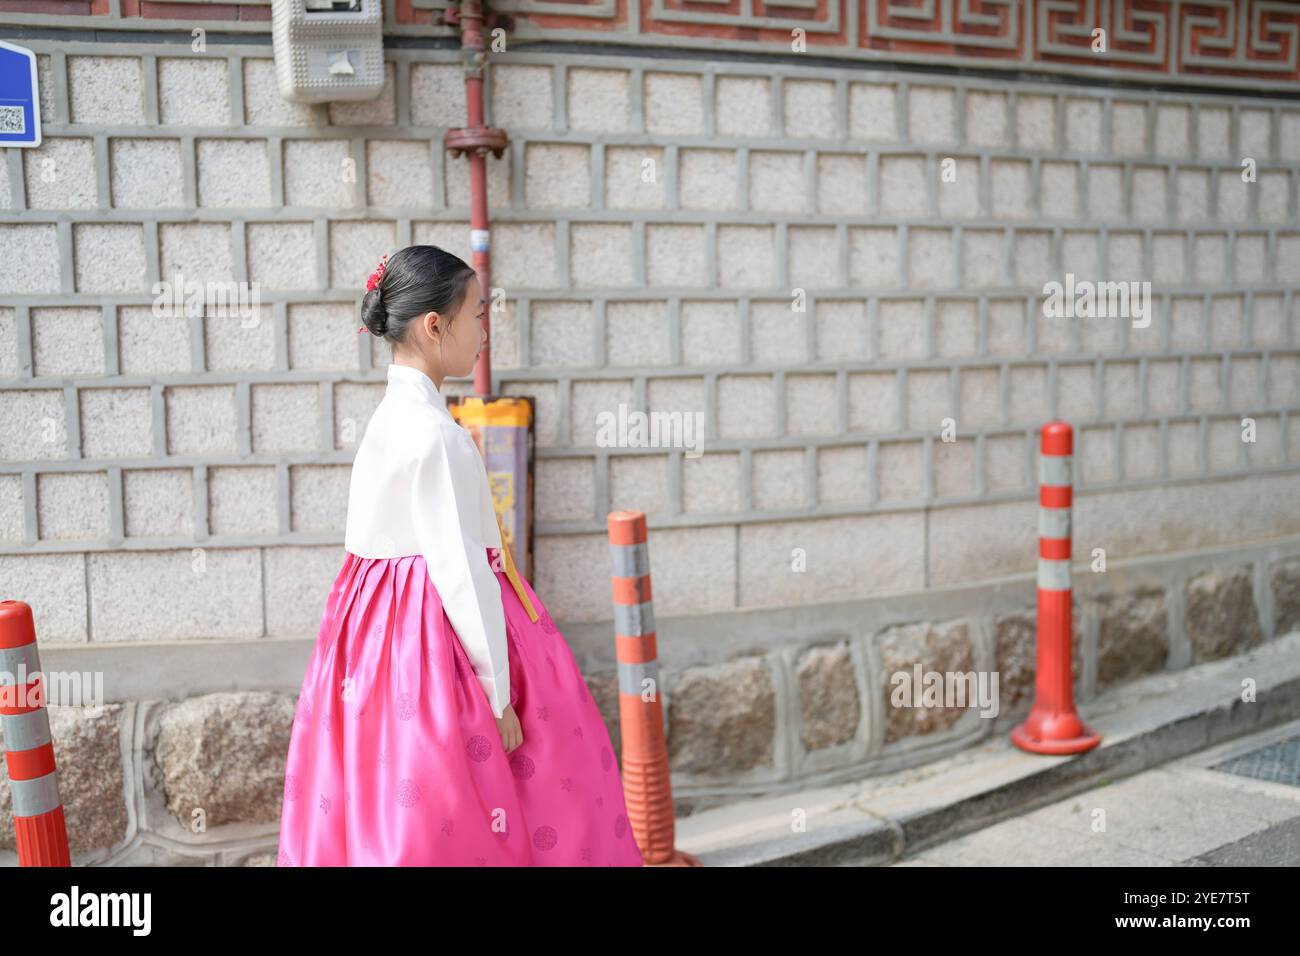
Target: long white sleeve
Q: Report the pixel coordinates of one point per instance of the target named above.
(449, 498)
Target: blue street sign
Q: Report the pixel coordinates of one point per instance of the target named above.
(20, 105)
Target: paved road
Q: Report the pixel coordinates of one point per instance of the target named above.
(1181, 814)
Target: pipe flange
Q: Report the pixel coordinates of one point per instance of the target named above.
(476, 139)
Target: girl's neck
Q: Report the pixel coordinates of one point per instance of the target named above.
(416, 363)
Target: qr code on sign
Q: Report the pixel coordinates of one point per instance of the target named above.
(11, 120)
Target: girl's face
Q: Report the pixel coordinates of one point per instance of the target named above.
(463, 337)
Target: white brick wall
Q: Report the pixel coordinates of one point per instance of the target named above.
(774, 247)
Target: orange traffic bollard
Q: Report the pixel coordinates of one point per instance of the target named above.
(39, 828)
(647, 787)
(1053, 726)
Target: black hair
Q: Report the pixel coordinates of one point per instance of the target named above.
(416, 280)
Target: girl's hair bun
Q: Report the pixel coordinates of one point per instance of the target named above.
(374, 314)
(412, 282)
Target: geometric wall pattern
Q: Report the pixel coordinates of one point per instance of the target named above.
(1220, 42)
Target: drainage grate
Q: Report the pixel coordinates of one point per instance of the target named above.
(1276, 763)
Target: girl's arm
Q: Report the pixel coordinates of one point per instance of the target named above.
(447, 502)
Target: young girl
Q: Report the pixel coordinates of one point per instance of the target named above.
(442, 720)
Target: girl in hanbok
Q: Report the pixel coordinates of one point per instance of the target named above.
(442, 720)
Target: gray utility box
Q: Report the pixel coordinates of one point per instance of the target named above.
(328, 49)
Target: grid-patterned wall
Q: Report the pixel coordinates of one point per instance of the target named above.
(775, 247)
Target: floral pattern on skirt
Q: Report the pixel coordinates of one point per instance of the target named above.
(395, 758)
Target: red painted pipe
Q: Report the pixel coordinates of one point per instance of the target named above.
(474, 141)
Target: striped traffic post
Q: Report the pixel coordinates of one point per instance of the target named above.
(1053, 726)
(40, 831)
(647, 788)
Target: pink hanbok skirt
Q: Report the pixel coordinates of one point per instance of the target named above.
(395, 758)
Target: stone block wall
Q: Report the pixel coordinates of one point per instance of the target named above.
(770, 244)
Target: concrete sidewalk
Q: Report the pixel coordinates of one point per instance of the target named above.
(880, 819)
(1188, 812)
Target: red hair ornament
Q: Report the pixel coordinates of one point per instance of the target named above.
(375, 278)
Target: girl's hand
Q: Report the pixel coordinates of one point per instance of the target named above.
(512, 735)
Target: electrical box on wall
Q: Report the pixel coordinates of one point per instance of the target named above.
(328, 49)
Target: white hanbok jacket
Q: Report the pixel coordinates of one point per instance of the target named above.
(419, 486)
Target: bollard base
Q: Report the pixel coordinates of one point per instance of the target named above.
(679, 858)
(42, 840)
(1025, 739)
